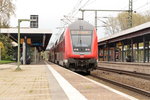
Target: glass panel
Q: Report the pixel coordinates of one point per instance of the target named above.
(141, 53)
(101, 55)
(111, 53)
(135, 53)
(147, 51)
(81, 38)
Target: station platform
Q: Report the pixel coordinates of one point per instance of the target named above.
(127, 66)
(48, 81)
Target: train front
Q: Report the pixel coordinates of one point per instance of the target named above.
(83, 52)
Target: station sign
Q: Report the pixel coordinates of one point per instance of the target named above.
(21, 41)
(34, 21)
(28, 41)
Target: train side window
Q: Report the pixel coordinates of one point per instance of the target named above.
(62, 36)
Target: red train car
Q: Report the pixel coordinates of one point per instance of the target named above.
(77, 47)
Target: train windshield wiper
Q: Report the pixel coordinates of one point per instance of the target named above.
(80, 42)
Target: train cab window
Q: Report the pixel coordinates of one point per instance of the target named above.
(81, 38)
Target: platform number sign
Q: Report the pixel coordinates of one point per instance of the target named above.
(34, 23)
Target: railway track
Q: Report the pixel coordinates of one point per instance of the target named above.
(135, 74)
(137, 90)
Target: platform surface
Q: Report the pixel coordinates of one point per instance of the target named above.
(48, 81)
(88, 88)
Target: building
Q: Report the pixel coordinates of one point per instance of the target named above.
(131, 45)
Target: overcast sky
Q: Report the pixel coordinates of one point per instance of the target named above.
(51, 11)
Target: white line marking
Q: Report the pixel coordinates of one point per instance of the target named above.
(107, 87)
(71, 92)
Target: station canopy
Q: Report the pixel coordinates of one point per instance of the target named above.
(35, 37)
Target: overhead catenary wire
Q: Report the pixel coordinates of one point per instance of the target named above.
(134, 2)
(79, 5)
(75, 8)
(70, 15)
(90, 3)
(144, 5)
(85, 4)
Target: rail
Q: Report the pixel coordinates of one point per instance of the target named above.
(137, 90)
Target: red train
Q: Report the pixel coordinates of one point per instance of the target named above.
(77, 47)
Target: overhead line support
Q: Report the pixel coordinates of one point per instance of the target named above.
(83, 10)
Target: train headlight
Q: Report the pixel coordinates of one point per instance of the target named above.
(87, 49)
(76, 49)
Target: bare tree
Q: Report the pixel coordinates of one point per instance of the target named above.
(119, 23)
(112, 26)
(147, 16)
(7, 9)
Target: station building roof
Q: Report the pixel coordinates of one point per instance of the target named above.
(39, 37)
(129, 33)
(25, 30)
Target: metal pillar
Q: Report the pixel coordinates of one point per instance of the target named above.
(108, 52)
(98, 53)
(137, 52)
(96, 20)
(96, 10)
(23, 53)
(82, 15)
(122, 51)
(130, 13)
(131, 49)
(115, 52)
(103, 54)
(144, 58)
(38, 56)
(25, 39)
(19, 21)
(35, 57)
(18, 67)
(148, 50)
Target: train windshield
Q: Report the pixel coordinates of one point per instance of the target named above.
(81, 38)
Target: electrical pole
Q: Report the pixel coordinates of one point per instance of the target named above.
(83, 10)
(96, 20)
(82, 15)
(130, 13)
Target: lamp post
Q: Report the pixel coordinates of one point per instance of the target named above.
(19, 21)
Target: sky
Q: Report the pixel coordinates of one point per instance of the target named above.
(52, 11)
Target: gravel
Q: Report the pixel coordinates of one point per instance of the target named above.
(129, 80)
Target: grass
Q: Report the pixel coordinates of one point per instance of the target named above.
(6, 61)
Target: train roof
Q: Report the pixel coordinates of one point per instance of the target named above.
(81, 25)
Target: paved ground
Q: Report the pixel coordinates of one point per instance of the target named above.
(7, 66)
(47, 82)
(90, 89)
(29, 84)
